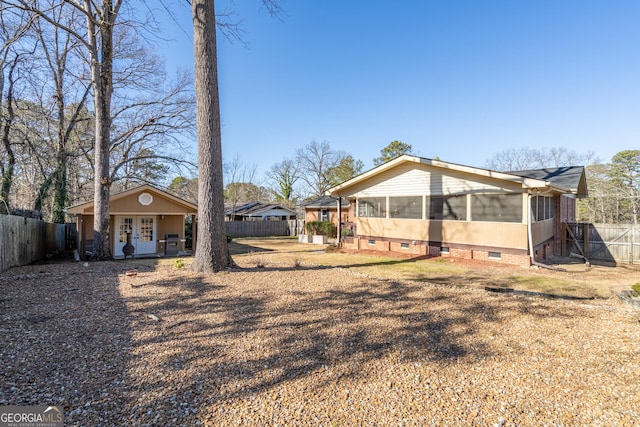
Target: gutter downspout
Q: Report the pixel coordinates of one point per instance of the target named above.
(530, 236)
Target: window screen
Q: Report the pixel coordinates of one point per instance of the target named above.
(448, 207)
(373, 207)
(551, 205)
(543, 207)
(405, 207)
(496, 207)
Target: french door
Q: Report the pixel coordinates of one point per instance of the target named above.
(142, 229)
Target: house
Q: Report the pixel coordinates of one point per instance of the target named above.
(154, 219)
(430, 207)
(257, 211)
(325, 208)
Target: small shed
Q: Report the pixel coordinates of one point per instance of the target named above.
(154, 219)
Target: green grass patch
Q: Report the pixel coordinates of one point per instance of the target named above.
(555, 286)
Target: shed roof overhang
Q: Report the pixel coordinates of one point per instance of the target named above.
(182, 206)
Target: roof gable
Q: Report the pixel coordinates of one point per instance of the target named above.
(117, 199)
(490, 178)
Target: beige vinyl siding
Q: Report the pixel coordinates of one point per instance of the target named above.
(416, 179)
(542, 231)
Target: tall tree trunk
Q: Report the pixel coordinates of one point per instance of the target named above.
(8, 169)
(60, 187)
(102, 79)
(60, 195)
(212, 252)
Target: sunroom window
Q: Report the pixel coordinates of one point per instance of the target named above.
(448, 207)
(372, 207)
(496, 207)
(405, 207)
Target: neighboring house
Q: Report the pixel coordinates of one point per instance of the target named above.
(429, 207)
(148, 214)
(257, 211)
(325, 208)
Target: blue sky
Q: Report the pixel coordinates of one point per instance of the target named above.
(461, 80)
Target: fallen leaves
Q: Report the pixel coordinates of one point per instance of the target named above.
(307, 346)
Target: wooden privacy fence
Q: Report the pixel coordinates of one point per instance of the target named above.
(604, 242)
(264, 228)
(25, 240)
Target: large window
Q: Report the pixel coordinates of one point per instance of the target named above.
(447, 207)
(496, 207)
(542, 207)
(405, 207)
(372, 207)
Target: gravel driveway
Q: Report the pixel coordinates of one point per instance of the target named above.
(302, 345)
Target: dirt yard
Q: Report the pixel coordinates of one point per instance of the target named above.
(295, 336)
(598, 280)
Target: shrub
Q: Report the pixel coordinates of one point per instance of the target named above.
(178, 264)
(331, 249)
(636, 287)
(229, 238)
(321, 228)
(257, 259)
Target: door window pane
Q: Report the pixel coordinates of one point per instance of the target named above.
(125, 226)
(146, 229)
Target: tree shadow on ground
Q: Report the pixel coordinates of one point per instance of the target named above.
(234, 342)
(221, 338)
(245, 248)
(65, 341)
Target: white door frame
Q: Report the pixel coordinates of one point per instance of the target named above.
(142, 238)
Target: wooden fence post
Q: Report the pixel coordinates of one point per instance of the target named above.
(585, 233)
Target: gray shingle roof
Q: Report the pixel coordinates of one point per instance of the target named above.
(324, 202)
(256, 209)
(570, 177)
